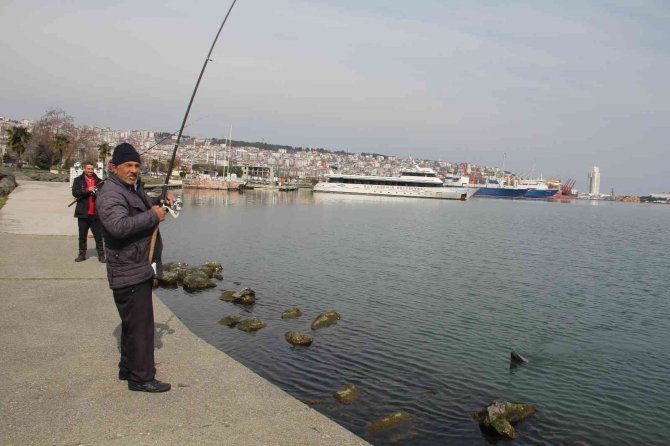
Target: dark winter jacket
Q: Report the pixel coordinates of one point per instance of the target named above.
(79, 192)
(127, 223)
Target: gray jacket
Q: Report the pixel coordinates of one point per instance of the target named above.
(127, 223)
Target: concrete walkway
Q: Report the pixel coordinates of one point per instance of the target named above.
(58, 352)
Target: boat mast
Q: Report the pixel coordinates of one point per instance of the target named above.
(503, 169)
(228, 150)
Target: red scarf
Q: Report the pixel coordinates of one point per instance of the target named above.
(90, 182)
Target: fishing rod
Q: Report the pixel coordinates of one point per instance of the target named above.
(190, 103)
(183, 124)
(86, 195)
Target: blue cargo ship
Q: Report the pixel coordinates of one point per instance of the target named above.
(539, 189)
(496, 188)
(541, 193)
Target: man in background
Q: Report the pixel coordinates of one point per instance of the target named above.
(84, 189)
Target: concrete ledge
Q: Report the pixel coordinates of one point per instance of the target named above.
(59, 348)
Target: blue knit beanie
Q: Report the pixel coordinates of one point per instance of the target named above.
(123, 153)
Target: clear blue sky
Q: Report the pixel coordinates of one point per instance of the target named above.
(559, 86)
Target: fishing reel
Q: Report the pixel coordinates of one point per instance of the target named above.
(175, 209)
(172, 210)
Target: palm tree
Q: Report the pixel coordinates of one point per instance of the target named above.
(60, 144)
(18, 137)
(104, 150)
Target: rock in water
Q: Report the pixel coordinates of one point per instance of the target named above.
(298, 338)
(326, 319)
(197, 280)
(231, 320)
(169, 279)
(499, 416)
(178, 268)
(253, 324)
(216, 267)
(228, 296)
(291, 313)
(348, 395)
(245, 296)
(391, 420)
(517, 359)
(174, 265)
(199, 269)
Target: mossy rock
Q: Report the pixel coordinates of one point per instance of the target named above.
(388, 421)
(246, 299)
(291, 313)
(245, 296)
(178, 268)
(298, 338)
(169, 279)
(500, 416)
(231, 320)
(325, 319)
(253, 324)
(228, 296)
(197, 280)
(174, 266)
(215, 267)
(199, 269)
(350, 394)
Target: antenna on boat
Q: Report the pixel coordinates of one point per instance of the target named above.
(227, 150)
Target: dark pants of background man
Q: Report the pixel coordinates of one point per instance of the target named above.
(92, 222)
(137, 332)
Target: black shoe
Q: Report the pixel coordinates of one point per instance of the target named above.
(123, 376)
(101, 258)
(81, 258)
(153, 386)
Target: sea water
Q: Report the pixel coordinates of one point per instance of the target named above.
(434, 295)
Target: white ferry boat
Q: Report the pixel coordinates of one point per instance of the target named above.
(419, 182)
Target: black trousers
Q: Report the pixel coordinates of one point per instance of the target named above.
(137, 332)
(92, 222)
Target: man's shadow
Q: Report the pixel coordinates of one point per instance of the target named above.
(160, 329)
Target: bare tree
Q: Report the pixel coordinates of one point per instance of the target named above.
(85, 144)
(57, 132)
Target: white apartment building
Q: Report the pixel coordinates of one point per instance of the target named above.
(594, 181)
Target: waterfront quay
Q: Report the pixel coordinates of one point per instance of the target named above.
(60, 332)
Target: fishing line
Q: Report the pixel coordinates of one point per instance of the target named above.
(181, 129)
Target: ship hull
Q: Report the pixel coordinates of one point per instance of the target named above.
(500, 192)
(444, 193)
(541, 193)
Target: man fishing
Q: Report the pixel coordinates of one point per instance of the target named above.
(130, 222)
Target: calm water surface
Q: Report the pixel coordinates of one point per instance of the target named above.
(433, 296)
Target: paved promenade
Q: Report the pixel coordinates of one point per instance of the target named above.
(59, 333)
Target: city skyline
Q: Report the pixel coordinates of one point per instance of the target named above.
(557, 88)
